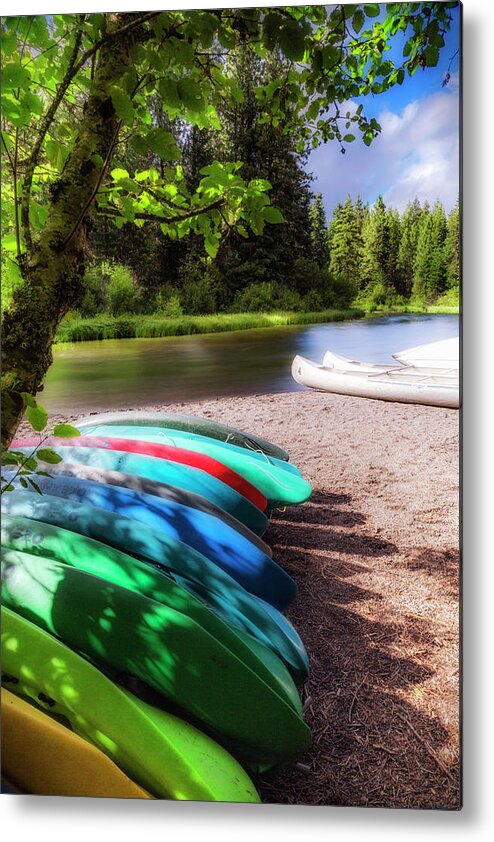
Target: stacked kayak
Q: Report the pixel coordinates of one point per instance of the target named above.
(145, 649)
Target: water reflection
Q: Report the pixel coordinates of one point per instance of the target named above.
(124, 373)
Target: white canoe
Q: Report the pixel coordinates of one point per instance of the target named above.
(442, 354)
(405, 384)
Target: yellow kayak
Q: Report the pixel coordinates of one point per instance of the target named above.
(43, 757)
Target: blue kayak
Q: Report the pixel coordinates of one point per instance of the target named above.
(212, 537)
(271, 585)
(173, 473)
(280, 482)
(159, 490)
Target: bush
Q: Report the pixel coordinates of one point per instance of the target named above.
(312, 302)
(121, 291)
(256, 297)
(289, 300)
(168, 304)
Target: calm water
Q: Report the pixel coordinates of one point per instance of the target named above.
(124, 373)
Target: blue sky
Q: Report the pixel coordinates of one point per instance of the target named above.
(417, 153)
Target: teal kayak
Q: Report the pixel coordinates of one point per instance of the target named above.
(234, 699)
(189, 424)
(280, 482)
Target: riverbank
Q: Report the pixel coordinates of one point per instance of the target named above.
(375, 555)
(138, 326)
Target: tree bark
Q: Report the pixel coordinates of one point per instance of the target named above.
(53, 267)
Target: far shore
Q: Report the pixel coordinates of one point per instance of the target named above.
(77, 329)
(375, 554)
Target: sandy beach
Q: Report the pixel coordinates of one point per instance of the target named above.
(375, 554)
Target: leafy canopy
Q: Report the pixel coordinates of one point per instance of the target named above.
(331, 55)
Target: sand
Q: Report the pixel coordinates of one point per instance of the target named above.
(375, 554)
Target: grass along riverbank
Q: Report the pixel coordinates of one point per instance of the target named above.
(138, 326)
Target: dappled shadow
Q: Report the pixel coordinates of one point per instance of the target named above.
(371, 745)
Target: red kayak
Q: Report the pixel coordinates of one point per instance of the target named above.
(161, 451)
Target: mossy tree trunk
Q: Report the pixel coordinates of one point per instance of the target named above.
(53, 267)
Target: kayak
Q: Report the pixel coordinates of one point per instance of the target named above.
(171, 454)
(157, 490)
(261, 576)
(189, 424)
(43, 757)
(168, 757)
(51, 541)
(280, 482)
(123, 632)
(183, 476)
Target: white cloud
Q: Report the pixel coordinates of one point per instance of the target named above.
(417, 154)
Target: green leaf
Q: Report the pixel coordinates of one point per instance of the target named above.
(292, 41)
(190, 94)
(358, 20)
(164, 144)
(371, 10)
(65, 431)
(349, 138)
(119, 174)
(35, 484)
(122, 104)
(47, 454)
(212, 245)
(431, 56)
(170, 96)
(38, 417)
(273, 215)
(14, 75)
(29, 400)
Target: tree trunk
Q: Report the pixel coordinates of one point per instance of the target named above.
(53, 268)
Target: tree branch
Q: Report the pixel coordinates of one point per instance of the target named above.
(155, 217)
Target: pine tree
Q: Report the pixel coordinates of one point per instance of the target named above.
(393, 227)
(319, 232)
(375, 246)
(407, 251)
(423, 257)
(345, 246)
(438, 268)
(452, 249)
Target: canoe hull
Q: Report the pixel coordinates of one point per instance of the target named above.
(390, 385)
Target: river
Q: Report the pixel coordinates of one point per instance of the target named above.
(128, 373)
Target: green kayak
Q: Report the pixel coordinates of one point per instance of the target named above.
(218, 682)
(168, 757)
